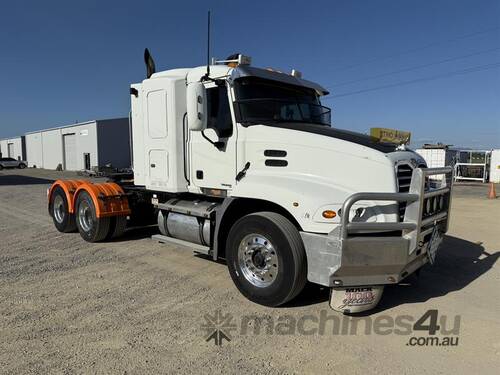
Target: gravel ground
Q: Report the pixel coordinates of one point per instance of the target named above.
(137, 306)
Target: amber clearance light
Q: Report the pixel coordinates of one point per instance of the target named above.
(329, 214)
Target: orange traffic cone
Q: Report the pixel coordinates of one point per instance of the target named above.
(492, 194)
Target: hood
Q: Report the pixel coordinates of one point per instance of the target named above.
(316, 167)
(345, 135)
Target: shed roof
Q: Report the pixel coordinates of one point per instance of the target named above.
(73, 125)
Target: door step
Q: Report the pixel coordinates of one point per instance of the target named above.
(175, 241)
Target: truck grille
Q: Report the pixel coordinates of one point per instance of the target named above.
(404, 172)
(403, 175)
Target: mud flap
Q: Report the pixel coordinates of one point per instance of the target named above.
(355, 299)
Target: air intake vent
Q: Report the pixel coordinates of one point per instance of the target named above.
(403, 174)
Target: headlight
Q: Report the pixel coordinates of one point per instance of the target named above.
(363, 215)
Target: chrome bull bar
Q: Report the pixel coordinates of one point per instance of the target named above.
(425, 207)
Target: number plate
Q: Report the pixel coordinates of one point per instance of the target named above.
(434, 242)
(355, 299)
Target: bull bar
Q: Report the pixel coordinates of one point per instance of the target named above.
(379, 253)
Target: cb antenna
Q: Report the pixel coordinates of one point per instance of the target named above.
(208, 48)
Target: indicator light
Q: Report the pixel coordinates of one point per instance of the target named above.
(329, 214)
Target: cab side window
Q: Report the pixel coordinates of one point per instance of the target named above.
(219, 114)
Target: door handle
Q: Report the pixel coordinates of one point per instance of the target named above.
(153, 165)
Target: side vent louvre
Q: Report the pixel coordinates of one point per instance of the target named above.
(276, 163)
(275, 153)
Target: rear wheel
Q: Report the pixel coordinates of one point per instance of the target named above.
(266, 258)
(58, 208)
(117, 227)
(91, 228)
(22, 166)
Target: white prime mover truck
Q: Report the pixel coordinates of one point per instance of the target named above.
(242, 164)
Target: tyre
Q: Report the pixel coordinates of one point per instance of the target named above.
(266, 258)
(59, 210)
(91, 228)
(22, 166)
(117, 227)
(1, 167)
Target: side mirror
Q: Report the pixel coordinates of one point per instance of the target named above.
(196, 106)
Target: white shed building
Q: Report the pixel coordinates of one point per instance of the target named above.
(13, 148)
(80, 146)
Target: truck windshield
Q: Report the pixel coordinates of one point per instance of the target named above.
(261, 101)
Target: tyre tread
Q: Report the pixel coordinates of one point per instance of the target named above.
(70, 225)
(297, 247)
(102, 224)
(117, 227)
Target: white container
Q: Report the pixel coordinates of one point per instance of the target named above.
(495, 166)
(437, 158)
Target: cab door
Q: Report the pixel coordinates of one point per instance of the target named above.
(213, 150)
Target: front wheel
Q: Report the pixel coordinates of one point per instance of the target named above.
(266, 258)
(22, 166)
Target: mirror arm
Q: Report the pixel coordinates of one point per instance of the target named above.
(218, 144)
(218, 82)
(206, 78)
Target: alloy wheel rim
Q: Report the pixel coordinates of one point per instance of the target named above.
(258, 260)
(85, 217)
(59, 211)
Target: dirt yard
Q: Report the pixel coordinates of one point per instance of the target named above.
(137, 306)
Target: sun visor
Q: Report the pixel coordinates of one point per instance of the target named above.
(250, 71)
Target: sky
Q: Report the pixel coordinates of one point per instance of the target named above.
(429, 67)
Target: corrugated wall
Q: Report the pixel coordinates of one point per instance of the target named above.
(34, 153)
(45, 149)
(105, 142)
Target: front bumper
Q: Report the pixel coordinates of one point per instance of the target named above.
(349, 256)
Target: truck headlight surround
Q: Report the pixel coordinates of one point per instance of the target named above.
(364, 214)
(332, 213)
